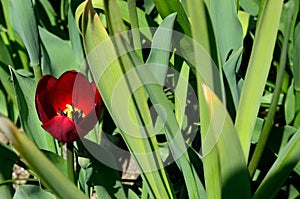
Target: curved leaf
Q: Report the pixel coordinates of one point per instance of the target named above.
(25, 92)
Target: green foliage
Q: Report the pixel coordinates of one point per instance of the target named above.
(31, 191)
(201, 98)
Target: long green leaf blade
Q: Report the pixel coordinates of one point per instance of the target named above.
(224, 14)
(280, 170)
(113, 88)
(29, 118)
(223, 142)
(258, 69)
(24, 23)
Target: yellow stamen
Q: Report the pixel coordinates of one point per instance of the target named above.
(72, 112)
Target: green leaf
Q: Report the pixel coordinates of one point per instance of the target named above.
(132, 195)
(230, 68)
(108, 74)
(134, 25)
(297, 74)
(32, 192)
(244, 18)
(257, 72)
(280, 170)
(276, 94)
(165, 8)
(222, 142)
(205, 53)
(280, 138)
(24, 23)
(250, 6)
(59, 52)
(289, 105)
(3, 104)
(202, 30)
(181, 92)
(101, 192)
(8, 158)
(25, 91)
(8, 86)
(5, 58)
(97, 171)
(149, 6)
(50, 176)
(49, 13)
(57, 160)
(159, 56)
(224, 14)
(74, 35)
(144, 21)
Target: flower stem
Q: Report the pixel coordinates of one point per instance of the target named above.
(37, 72)
(70, 161)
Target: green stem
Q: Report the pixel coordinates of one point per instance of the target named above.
(18, 179)
(37, 72)
(70, 161)
(261, 144)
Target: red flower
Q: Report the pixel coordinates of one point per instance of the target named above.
(68, 107)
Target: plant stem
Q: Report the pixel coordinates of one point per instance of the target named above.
(70, 161)
(37, 72)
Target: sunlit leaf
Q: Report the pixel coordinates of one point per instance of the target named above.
(109, 75)
(24, 23)
(24, 89)
(59, 52)
(257, 72)
(49, 174)
(223, 143)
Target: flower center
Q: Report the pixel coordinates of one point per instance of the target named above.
(72, 112)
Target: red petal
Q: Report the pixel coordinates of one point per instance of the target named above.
(98, 100)
(62, 128)
(88, 122)
(42, 98)
(73, 87)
